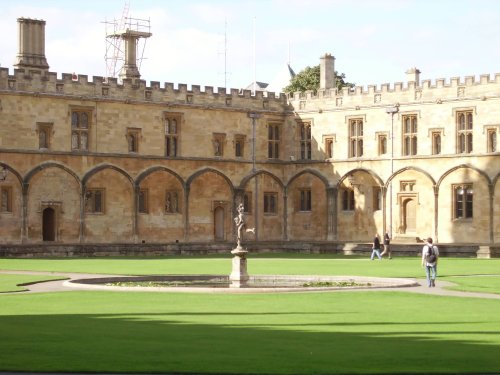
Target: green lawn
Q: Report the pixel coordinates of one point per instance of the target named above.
(298, 333)
(17, 283)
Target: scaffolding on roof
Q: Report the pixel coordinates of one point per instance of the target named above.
(115, 46)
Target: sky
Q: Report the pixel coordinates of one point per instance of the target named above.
(229, 43)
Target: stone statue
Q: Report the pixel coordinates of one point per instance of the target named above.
(240, 225)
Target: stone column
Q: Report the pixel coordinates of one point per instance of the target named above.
(186, 213)
(285, 214)
(135, 217)
(24, 229)
(435, 188)
(491, 190)
(81, 234)
(331, 213)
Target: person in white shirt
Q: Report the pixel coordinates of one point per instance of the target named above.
(430, 256)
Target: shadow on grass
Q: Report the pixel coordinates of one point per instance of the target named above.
(150, 343)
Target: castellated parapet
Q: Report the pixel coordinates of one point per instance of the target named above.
(428, 92)
(135, 90)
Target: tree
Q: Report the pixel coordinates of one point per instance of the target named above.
(309, 78)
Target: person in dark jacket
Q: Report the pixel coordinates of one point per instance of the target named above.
(387, 245)
(376, 248)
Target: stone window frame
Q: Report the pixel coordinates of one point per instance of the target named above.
(218, 143)
(172, 206)
(409, 136)
(81, 132)
(143, 204)
(435, 134)
(46, 128)
(91, 203)
(355, 131)
(305, 139)
(328, 143)
(274, 139)
(270, 203)
(304, 200)
(403, 184)
(348, 199)
(7, 205)
(491, 137)
(239, 139)
(467, 206)
(172, 127)
(134, 134)
(377, 198)
(247, 202)
(464, 137)
(381, 137)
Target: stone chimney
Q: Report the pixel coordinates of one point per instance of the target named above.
(327, 71)
(131, 38)
(413, 75)
(31, 53)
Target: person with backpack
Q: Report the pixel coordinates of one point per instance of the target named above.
(430, 256)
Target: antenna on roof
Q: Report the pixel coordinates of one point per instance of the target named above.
(254, 60)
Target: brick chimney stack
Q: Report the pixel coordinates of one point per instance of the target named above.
(130, 37)
(413, 75)
(31, 53)
(327, 72)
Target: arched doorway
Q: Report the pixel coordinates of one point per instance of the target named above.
(219, 223)
(49, 224)
(409, 216)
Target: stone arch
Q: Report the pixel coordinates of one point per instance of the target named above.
(8, 168)
(57, 191)
(363, 170)
(495, 201)
(456, 225)
(116, 200)
(165, 205)
(157, 168)
(206, 190)
(410, 168)
(101, 167)
(359, 208)
(255, 216)
(191, 178)
(50, 164)
(311, 171)
(403, 208)
(495, 179)
(467, 166)
(10, 230)
(307, 210)
(246, 179)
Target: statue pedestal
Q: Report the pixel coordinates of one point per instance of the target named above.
(239, 275)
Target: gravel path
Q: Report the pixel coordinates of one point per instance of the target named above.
(64, 286)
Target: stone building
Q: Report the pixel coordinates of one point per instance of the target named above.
(89, 162)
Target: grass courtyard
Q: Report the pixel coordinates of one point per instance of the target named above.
(297, 333)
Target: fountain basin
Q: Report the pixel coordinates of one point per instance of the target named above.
(223, 283)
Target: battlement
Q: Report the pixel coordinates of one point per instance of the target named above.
(441, 88)
(40, 82)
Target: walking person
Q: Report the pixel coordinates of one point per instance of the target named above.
(430, 256)
(387, 245)
(376, 248)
